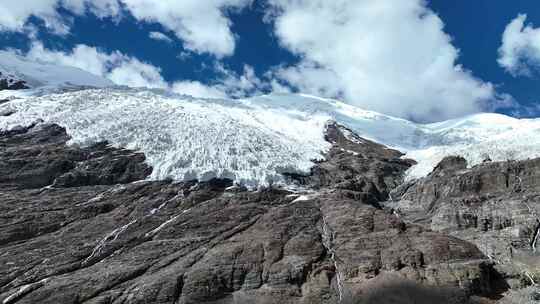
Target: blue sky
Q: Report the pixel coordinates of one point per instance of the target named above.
(367, 57)
(476, 27)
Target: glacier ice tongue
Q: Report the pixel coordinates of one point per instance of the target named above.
(185, 138)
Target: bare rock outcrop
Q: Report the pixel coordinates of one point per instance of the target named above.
(495, 205)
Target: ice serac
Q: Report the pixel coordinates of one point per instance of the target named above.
(18, 72)
(185, 138)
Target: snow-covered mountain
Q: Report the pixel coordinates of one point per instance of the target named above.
(251, 141)
(256, 139)
(33, 74)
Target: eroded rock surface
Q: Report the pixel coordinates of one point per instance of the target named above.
(82, 225)
(494, 206)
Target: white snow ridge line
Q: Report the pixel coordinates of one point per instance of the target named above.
(167, 222)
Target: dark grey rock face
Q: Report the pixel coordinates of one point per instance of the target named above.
(81, 225)
(494, 206)
(8, 82)
(37, 157)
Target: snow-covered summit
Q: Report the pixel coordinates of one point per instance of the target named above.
(256, 139)
(37, 74)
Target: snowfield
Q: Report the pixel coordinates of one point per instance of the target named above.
(476, 138)
(45, 75)
(254, 140)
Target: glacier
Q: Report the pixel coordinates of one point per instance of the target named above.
(254, 140)
(182, 137)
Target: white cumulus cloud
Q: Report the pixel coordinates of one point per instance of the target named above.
(120, 68)
(228, 84)
(520, 49)
(203, 26)
(391, 56)
(130, 71)
(14, 14)
(197, 89)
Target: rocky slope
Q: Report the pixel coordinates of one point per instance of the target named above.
(494, 206)
(82, 225)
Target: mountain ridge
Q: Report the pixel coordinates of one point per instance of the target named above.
(280, 132)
